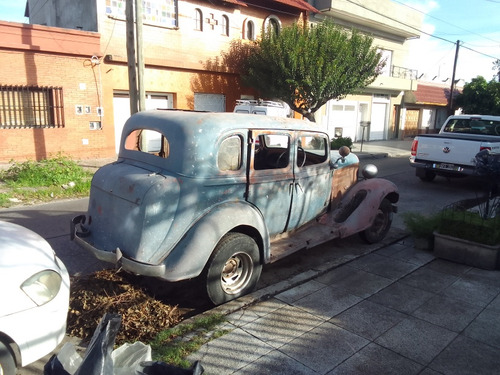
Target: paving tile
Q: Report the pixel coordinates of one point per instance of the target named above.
(229, 353)
(336, 275)
(430, 280)
(446, 266)
(401, 297)
(486, 328)
(414, 256)
(275, 363)
(484, 276)
(327, 302)
(360, 283)
(473, 292)
(416, 339)
(384, 266)
(282, 325)
(376, 360)
(324, 347)
(495, 304)
(391, 250)
(447, 312)
(465, 356)
(300, 291)
(368, 319)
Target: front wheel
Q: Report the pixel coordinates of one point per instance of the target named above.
(381, 224)
(7, 362)
(233, 269)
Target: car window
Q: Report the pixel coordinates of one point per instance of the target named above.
(148, 141)
(311, 149)
(473, 126)
(229, 156)
(272, 151)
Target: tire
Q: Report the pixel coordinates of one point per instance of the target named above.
(381, 224)
(7, 361)
(233, 269)
(427, 176)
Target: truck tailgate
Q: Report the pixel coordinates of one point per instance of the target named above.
(447, 150)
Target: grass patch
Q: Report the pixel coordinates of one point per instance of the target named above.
(40, 181)
(173, 345)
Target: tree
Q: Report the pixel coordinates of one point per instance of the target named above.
(480, 97)
(308, 66)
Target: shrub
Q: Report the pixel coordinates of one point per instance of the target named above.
(338, 142)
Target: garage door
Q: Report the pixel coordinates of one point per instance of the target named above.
(210, 102)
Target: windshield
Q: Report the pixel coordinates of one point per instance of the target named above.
(473, 126)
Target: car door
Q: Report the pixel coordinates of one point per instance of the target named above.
(270, 176)
(312, 178)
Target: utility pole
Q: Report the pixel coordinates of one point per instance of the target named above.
(140, 57)
(135, 51)
(452, 88)
(132, 75)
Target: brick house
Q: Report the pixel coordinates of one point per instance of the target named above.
(66, 86)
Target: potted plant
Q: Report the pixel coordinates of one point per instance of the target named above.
(422, 228)
(468, 236)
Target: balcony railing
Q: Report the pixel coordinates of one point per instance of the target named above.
(405, 73)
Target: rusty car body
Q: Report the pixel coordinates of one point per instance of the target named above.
(215, 196)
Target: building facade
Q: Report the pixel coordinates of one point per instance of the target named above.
(372, 114)
(184, 43)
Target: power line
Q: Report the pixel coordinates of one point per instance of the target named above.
(446, 22)
(417, 29)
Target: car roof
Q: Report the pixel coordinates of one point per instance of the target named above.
(217, 121)
(193, 137)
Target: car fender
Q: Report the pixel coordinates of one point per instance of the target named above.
(190, 255)
(359, 206)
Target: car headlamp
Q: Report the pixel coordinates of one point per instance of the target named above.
(42, 287)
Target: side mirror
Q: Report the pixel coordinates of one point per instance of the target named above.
(343, 151)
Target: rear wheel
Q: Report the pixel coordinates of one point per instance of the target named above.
(427, 176)
(233, 269)
(7, 362)
(381, 224)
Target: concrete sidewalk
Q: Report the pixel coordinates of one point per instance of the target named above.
(397, 310)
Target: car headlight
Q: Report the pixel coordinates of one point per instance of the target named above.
(42, 287)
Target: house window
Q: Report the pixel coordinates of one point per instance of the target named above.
(198, 19)
(386, 57)
(155, 12)
(272, 24)
(225, 25)
(31, 107)
(249, 30)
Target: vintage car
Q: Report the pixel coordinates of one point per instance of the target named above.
(215, 196)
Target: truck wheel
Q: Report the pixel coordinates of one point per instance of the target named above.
(427, 176)
(233, 269)
(7, 362)
(381, 224)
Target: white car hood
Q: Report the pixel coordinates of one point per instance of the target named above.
(23, 253)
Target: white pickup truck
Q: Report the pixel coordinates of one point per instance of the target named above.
(451, 153)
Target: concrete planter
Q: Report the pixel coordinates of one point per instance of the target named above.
(466, 252)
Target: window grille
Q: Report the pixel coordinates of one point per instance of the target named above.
(31, 107)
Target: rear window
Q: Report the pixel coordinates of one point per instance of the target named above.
(148, 141)
(473, 126)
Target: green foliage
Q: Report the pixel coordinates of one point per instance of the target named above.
(169, 348)
(338, 142)
(308, 66)
(47, 172)
(469, 225)
(480, 97)
(421, 225)
(35, 181)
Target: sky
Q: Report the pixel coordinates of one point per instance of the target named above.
(475, 23)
